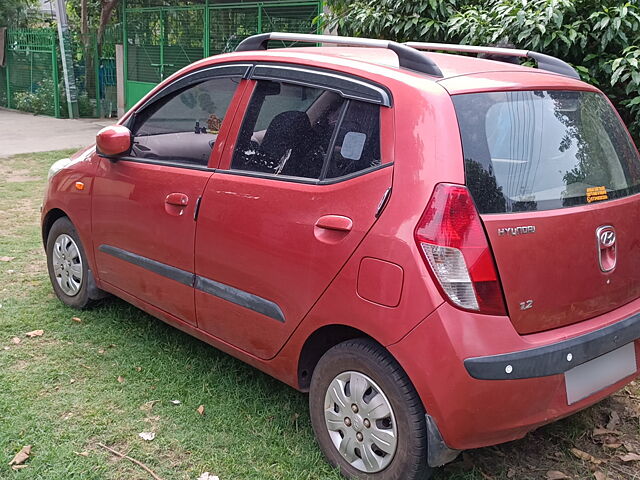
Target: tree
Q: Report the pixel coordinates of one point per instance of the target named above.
(91, 14)
(12, 10)
(84, 18)
(108, 6)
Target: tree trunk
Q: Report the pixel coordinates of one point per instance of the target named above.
(84, 18)
(105, 16)
(87, 52)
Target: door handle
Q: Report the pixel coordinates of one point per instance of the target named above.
(335, 222)
(177, 199)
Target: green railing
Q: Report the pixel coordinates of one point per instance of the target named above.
(157, 41)
(161, 40)
(30, 71)
(31, 79)
(230, 24)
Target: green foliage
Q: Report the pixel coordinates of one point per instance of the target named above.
(93, 13)
(12, 12)
(601, 39)
(626, 75)
(41, 100)
(393, 19)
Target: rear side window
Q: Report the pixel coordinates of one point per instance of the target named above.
(542, 150)
(306, 132)
(357, 145)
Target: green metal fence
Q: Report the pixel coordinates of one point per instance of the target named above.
(31, 79)
(230, 24)
(158, 41)
(30, 75)
(162, 40)
(108, 91)
(84, 52)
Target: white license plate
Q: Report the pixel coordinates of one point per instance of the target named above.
(600, 373)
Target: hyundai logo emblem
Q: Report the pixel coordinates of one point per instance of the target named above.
(607, 237)
(607, 251)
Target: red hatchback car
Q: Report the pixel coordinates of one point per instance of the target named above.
(442, 249)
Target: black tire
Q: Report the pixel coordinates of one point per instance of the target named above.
(409, 462)
(82, 299)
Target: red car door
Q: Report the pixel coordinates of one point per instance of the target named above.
(144, 204)
(292, 200)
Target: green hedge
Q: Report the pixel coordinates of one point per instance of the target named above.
(41, 100)
(601, 39)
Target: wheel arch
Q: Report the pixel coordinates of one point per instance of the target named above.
(48, 221)
(55, 214)
(318, 343)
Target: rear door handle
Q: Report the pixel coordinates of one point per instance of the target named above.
(335, 222)
(177, 199)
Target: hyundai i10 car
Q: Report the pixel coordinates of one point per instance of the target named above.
(442, 249)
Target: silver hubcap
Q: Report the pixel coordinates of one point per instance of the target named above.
(67, 264)
(360, 422)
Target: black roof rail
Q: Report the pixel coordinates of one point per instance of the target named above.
(545, 62)
(407, 57)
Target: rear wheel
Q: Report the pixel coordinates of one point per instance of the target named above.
(67, 264)
(367, 417)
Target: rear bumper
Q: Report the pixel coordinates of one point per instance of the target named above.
(458, 364)
(557, 357)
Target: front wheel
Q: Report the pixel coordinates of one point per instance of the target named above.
(366, 414)
(67, 264)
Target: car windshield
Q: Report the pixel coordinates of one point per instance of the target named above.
(541, 150)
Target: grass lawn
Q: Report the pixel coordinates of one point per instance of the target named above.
(114, 373)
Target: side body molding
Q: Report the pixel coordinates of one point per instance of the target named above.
(220, 290)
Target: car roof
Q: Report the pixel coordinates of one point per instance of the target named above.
(460, 73)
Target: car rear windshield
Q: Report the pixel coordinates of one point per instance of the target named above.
(541, 150)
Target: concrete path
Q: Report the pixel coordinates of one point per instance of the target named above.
(25, 133)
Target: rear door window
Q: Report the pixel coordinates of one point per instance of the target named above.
(541, 150)
(307, 132)
(287, 130)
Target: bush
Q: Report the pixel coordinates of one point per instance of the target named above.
(601, 39)
(41, 101)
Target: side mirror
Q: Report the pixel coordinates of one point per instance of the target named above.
(113, 140)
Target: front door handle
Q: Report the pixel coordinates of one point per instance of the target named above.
(177, 199)
(335, 222)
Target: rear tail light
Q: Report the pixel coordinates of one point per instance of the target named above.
(454, 244)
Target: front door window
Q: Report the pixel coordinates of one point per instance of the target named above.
(183, 127)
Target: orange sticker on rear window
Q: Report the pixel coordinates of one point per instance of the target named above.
(595, 194)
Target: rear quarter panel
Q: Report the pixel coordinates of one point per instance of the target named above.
(427, 151)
